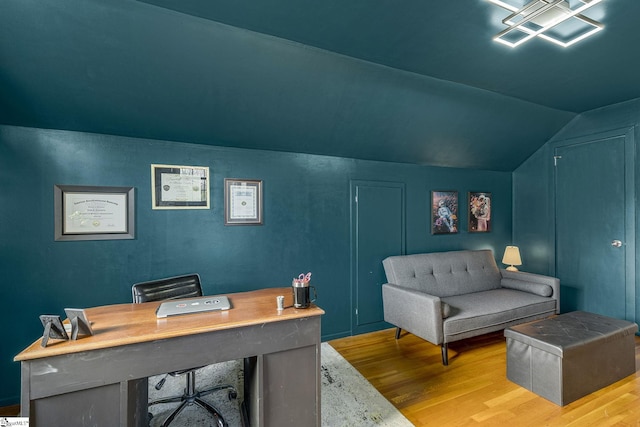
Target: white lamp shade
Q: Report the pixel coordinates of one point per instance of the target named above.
(512, 256)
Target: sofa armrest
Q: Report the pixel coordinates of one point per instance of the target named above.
(533, 283)
(413, 311)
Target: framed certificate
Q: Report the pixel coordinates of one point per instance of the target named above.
(242, 202)
(179, 187)
(93, 213)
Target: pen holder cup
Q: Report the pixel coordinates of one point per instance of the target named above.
(302, 294)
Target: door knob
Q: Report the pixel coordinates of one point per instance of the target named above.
(616, 243)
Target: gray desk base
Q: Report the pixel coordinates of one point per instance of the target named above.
(108, 387)
(569, 356)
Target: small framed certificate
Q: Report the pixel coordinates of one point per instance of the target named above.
(179, 187)
(93, 213)
(242, 202)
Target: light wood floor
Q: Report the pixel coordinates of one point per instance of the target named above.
(473, 390)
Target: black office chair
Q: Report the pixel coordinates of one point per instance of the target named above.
(187, 286)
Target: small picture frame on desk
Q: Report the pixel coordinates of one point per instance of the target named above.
(242, 202)
(53, 328)
(80, 325)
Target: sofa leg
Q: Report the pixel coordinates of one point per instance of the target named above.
(445, 354)
(398, 332)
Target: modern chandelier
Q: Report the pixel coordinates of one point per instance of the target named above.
(557, 21)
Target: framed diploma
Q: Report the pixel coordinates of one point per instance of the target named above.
(179, 187)
(93, 213)
(242, 202)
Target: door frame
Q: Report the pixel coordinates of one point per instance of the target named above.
(353, 250)
(631, 262)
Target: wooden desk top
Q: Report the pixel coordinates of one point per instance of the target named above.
(123, 324)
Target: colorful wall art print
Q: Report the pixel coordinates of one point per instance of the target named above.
(444, 212)
(479, 212)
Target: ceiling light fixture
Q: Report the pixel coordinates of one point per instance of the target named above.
(547, 19)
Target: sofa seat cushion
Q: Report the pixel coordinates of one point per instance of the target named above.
(492, 308)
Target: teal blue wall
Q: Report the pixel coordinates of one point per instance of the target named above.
(306, 226)
(533, 214)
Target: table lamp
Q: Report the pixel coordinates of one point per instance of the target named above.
(512, 257)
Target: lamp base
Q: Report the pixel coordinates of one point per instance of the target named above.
(511, 268)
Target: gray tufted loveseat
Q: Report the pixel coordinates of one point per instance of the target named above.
(449, 296)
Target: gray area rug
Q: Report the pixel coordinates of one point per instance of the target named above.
(348, 399)
(220, 373)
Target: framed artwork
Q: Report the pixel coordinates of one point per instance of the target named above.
(242, 202)
(479, 212)
(179, 187)
(444, 212)
(93, 213)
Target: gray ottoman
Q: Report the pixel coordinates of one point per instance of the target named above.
(569, 356)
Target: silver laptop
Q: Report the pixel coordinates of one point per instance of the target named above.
(192, 305)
